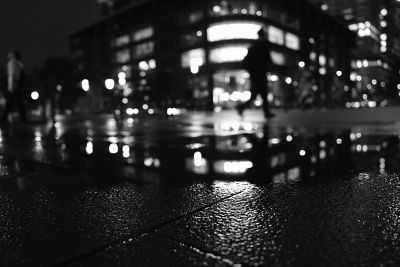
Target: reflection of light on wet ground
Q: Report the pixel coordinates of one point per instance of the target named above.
(89, 148)
(291, 175)
(355, 136)
(382, 165)
(362, 177)
(126, 151)
(198, 159)
(236, 126)
(366, 148)
(112, 139)
(113, 148)
(232, 167)
(111, 124)
(152, 162)
(197, 164)
(232, 186)
(38, 136)
(233, 143)
(195, 146)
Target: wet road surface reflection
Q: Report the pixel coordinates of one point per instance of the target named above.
(235, 194)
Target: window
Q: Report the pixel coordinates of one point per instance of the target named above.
(275, 35)
(191, 38)
(143, 50)
(195, 16)
(233, 30)
(278, 58)
(125, 69)
(143, 34)
(195, 56)
(322, 60)
(147, 65)
(120, 41)
(122, 56)
(292, 41)
(225, 8)
(230, 53)
(231, 86)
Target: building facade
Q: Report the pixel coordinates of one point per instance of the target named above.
(376, 22)
(182, 53)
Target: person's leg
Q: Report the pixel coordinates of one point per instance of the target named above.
(254, 93)
(263, 88)
(21, 106)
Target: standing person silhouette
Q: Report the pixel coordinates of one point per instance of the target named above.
(257, 62)
(15, 84)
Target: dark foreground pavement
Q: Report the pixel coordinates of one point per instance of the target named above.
(306, 189)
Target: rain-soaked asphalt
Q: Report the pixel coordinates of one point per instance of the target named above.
(166, 192)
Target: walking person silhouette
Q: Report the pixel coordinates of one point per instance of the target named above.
(257, 62)
(15, 84)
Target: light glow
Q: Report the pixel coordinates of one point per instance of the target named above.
(113, 148)
(109, 83)
(85, 85)
(233, 30)
(230, 53)
(192, 58)
(35, 95)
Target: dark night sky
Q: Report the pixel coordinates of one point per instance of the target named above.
(40, 28)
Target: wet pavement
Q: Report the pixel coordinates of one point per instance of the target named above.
(184, 191)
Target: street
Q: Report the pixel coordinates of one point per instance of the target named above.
(307, 188)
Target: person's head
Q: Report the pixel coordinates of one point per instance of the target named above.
(14, 55)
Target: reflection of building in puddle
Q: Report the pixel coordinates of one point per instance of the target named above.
(283, 158)
(236, 126)
(197, 164)
(280, 158)
(89, 148)
(232, 167)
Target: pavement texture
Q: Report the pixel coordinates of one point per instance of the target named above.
(308, 188)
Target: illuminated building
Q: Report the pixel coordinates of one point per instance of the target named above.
(189, 53)
(377, 24)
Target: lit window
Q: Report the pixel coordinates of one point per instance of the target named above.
(278, 58)
(292, 41)
(143, 34)
(191, 38)
(144, 49)
(152, 64)
(127, 70)
(122, 56)
(275, 35)
(120, 41)
(195, 16)
(231, 53)
(195, 55)
(233, 30)
(322, 60)
(313, 56)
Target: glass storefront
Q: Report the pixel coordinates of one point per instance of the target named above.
(232, 87)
